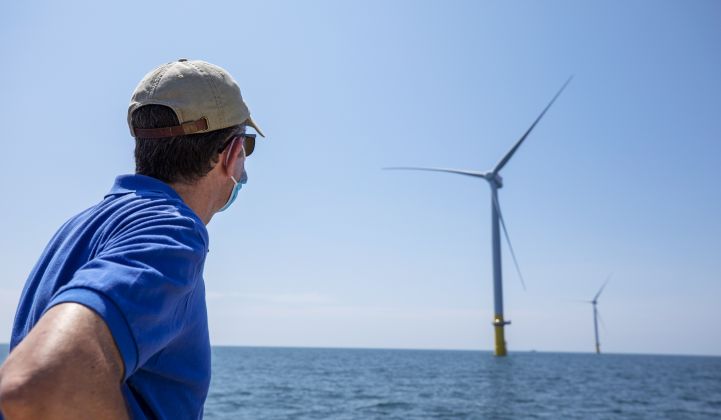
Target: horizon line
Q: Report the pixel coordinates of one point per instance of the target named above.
(455, 350)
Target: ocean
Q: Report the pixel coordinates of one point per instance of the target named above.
(304, 383)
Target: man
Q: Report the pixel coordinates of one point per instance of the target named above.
(112, 322)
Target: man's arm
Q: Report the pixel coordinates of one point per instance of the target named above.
(67, 367)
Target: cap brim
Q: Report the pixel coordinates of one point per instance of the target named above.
(252, 123)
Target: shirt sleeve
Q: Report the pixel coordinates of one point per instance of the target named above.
(140, 282)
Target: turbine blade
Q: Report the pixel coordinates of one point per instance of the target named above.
(508, 240)
(602, 287)
(452, 171)
(515, 147)
(603, 324)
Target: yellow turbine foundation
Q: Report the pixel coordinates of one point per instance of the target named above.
(498, 324)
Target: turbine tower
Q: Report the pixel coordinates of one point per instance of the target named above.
(496, 182)
(596, 315)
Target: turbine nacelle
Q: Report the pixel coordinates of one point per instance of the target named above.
(494, 178)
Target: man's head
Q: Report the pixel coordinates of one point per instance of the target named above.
(188, 119)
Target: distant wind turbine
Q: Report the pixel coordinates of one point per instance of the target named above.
(495, 181)
(596, 315)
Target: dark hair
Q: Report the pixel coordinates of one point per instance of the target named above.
(175, 159)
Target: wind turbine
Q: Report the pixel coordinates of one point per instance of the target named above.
(594, 302)
(496, 182)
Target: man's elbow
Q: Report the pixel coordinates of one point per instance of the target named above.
(66, 367)
(27, 392)
(16, 395)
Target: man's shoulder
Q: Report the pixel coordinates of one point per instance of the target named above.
(135, 217)
(149, 215)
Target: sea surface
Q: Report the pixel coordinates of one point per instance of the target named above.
(301, 383)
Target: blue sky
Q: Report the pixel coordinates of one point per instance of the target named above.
(323, 248)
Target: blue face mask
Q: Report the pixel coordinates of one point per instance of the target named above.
(236, 189)
(238, 184)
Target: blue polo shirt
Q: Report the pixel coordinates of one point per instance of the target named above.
(136, 258)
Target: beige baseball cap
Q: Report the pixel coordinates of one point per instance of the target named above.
(204, 97)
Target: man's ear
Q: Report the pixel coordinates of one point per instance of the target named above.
(230, 157)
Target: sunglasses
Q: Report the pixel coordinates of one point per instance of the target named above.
(248, 143)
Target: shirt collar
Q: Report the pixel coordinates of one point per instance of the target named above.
(144, 185)
(140, 183)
